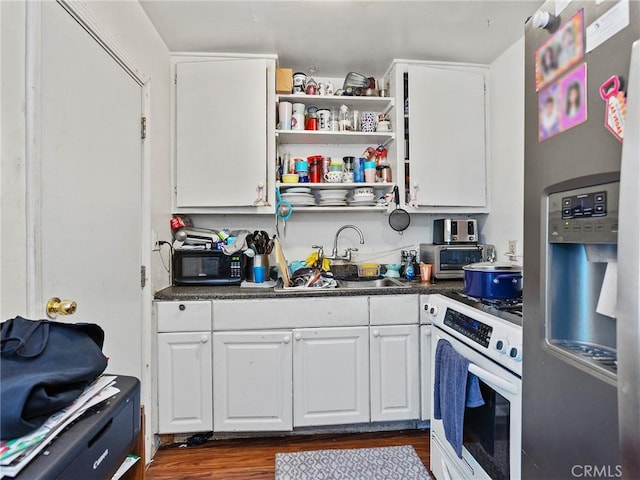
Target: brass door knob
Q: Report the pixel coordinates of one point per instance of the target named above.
(56, 307)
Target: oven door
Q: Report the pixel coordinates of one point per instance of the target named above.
(492, 433)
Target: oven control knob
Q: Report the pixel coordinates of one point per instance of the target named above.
(515, 353)
(431, 309)
(501, 346)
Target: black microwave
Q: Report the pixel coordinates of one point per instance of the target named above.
(207, 267)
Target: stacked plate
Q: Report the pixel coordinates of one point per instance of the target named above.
(299, 197)
(362, 199)
(332, 198)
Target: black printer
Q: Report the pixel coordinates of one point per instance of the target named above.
(96, 444)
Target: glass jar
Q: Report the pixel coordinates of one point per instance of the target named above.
(344, 119)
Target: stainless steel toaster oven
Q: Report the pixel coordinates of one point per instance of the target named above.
(448, 260)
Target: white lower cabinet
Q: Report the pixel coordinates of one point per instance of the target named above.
(330, 376)
(252, 381)
(425, 371)
(395, 379)
(184, 382)
(347, 360)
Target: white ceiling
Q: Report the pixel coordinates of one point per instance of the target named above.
(340, 36)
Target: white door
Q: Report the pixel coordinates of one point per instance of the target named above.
(252, 381)
(184, 382)
(447, 136)
(91, 186)
(221, 137)
(395, 379)
(330, 376)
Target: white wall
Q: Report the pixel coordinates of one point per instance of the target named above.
(506, 176)
(128, 23)
(304, 229)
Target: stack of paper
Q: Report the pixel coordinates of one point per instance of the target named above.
(15, 454)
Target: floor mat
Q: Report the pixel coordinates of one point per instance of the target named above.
(384, 463)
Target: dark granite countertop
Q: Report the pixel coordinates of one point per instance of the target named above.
(247, 293)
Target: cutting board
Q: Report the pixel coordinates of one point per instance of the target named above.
(283, 266)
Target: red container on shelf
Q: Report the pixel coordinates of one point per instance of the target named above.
(315, 168)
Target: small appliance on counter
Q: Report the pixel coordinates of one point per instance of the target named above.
(199, 256)
(207, 267)
(449, 260)
(449, 231)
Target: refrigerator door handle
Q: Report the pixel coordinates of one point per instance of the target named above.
(628, 313)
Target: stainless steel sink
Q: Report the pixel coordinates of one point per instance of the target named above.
(375, 283)
(351, 284)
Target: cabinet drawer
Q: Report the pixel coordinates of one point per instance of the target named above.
(192, 316)
(394, 310)
(290, 313)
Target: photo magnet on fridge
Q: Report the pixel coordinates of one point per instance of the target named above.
(563, 50)
(563, 104)
(548, 112)
(573, 94)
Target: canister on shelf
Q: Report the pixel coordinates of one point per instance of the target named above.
(299, 80)
(358, 170)
(315, 169)
(324, 119)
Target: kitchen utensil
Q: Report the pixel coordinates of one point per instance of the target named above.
(425, 272)
(259, 272)
(368, 270)
(393, 270)
(290, 178)
(283, 212)
(493, 281)
(283, 267)
(356, 80)
(399, 218)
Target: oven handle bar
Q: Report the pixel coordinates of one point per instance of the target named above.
(489, 377)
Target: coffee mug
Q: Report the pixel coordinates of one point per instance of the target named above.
(368, 121)
(333, 177)
(298, 108)
(284, 112)
(347, 177)
(383, 126)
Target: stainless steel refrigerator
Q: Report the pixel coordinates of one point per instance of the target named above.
(581, 360)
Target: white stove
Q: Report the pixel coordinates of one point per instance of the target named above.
(492, 343)
(497, 337)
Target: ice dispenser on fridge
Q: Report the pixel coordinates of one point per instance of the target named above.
(581, 282)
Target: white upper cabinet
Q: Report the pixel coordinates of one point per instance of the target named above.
(445, 148)
(221, 122)
(447, 136)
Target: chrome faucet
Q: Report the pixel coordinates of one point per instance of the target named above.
(347, 254)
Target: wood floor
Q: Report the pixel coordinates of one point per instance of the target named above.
(254, 459)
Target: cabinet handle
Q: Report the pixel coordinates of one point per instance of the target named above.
(298, 336)
(376, 333)
(204, 339)
(182, 307)
(286, 339)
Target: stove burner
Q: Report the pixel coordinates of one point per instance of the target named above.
(510, 305)
(510, 310)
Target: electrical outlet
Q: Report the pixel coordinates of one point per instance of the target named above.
(155, 245)
(513, 248)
